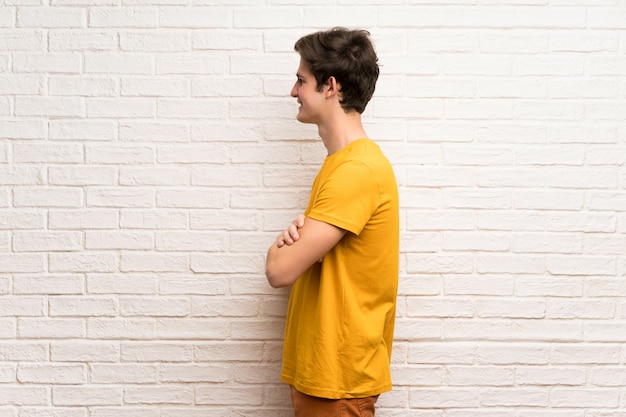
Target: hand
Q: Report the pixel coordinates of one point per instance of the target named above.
(290, 235)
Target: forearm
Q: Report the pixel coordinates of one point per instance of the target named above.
(285, 263)
(277, 267)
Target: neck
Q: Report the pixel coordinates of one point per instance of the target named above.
(341, 130)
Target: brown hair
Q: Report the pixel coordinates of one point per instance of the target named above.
(347, 55)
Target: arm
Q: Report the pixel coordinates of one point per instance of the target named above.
(286, 262)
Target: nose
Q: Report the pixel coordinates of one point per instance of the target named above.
(294, 90)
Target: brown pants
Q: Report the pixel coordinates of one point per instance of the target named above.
(308, 406)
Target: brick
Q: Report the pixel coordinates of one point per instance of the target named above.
(85, 86)
(431, 41)
(585, 354)
(227, 395)
(266, 17)
(197, 17)
(85, 395)
(133, 17)
(363, 16)
(43, 153)
(161, 351)
(107, 240)
(225, 351)
(49, 106)
(158, 87)
(82, 40)
(84, 351)
(518, 43)
(21, 85)
(191, 329)
(194, 373)
(231, 39)
(154, 307)
(412, 17)
(18, 395)
(81, 175)
(153, 219)
(567, 397)
(48, 328)
(512, 308)
(83, 262)
(22, 40)
(7, 374)
(106, 154)
(121, 284)
(83, 219)
(225, 307)
(581, 265)
(24, 129)
(71, 130)
(121, 107)
(136, 411)
(191, 198)
(509, 354)
(52, 374)
(19, 174)
(17, 350)
(226, 263)
(508, 397)
(544, 200)
(7, 19)
(204, 284)
(124, 373)
(183, 154)
(54, 412)
(114, 328)
(152, 176)
(550, 376)
(546, 243)
(82, 306)
(155, 41)
(44, 242)
(51, 17)
(211, 86)
(119, 63)
(478, 285)
(190, 241)
(215, 63)
(54, 62)
(153, 262)
(22, 307)
(120, 197)
(480, 376)
(48, 284)
(443, 398)
(21, 263)
(192, 109)
(517, 16)
(463, 64)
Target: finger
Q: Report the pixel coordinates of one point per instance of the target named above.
(293, 232)
(299, 221)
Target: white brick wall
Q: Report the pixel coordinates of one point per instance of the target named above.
(149, 154)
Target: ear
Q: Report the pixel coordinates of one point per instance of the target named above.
(332, 87)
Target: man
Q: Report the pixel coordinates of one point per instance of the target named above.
(342, 255)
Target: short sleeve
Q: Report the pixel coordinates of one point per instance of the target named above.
(347, 198)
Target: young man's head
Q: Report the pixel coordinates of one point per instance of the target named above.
(346, 55)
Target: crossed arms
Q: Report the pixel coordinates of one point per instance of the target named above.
(303, 243)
